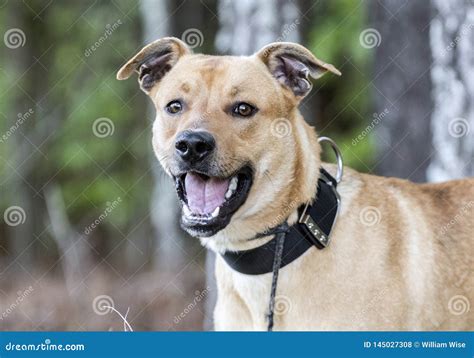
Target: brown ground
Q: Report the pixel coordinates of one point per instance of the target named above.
(155, 300)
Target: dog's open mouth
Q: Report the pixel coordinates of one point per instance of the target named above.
(209, 202)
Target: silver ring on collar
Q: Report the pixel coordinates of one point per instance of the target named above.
(335, 148)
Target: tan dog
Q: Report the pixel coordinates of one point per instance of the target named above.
(401, 254)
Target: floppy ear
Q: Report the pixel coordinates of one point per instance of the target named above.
(154, 61)
(292, 64)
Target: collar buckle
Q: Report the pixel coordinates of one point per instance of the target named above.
(316, 232)
(319, 237)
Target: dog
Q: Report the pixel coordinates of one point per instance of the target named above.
(218, 134)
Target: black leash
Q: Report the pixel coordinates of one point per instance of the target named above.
(280, 242)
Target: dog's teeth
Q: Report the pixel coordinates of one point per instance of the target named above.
(232, 187)
(233, 183)
(215, 212)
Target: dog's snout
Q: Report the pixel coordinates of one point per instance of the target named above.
(194, 146)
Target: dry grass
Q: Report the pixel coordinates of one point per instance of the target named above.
(155, 300)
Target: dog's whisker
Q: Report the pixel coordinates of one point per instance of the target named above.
(163, 158)
(266, 174)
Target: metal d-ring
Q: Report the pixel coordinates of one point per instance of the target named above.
(335, 148)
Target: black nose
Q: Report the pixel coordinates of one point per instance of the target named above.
(194, 146)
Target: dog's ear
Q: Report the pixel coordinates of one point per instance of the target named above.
(292, 65)
(154, 61)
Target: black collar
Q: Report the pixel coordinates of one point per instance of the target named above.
(313, 228)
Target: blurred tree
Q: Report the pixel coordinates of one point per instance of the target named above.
(452, 74)
(402, 87)
(75, 252)
(164, 207)
(247, 26)
(69, 86)
(21, 98)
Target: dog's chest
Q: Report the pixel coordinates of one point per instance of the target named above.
(313, 293)
(254, 292)
(297, 306)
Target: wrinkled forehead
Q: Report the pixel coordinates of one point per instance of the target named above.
(238, 77)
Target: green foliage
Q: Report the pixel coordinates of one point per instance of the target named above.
(334, 38)
(76, 87)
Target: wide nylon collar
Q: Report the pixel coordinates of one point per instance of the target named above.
(313, 228)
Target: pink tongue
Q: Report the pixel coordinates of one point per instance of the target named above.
(204, 195)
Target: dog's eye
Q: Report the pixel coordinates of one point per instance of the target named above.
(243, 109)
(174, 107)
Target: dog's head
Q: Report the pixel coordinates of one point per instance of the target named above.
(223, 128)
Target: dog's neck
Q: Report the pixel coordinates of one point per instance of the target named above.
(303, 181)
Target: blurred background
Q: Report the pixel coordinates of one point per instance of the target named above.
(88, 219)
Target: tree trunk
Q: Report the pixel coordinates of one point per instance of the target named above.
(164, 208)
(246, 26)
(23, 199)
(73, 248)
(452, 74)
(402, 88)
